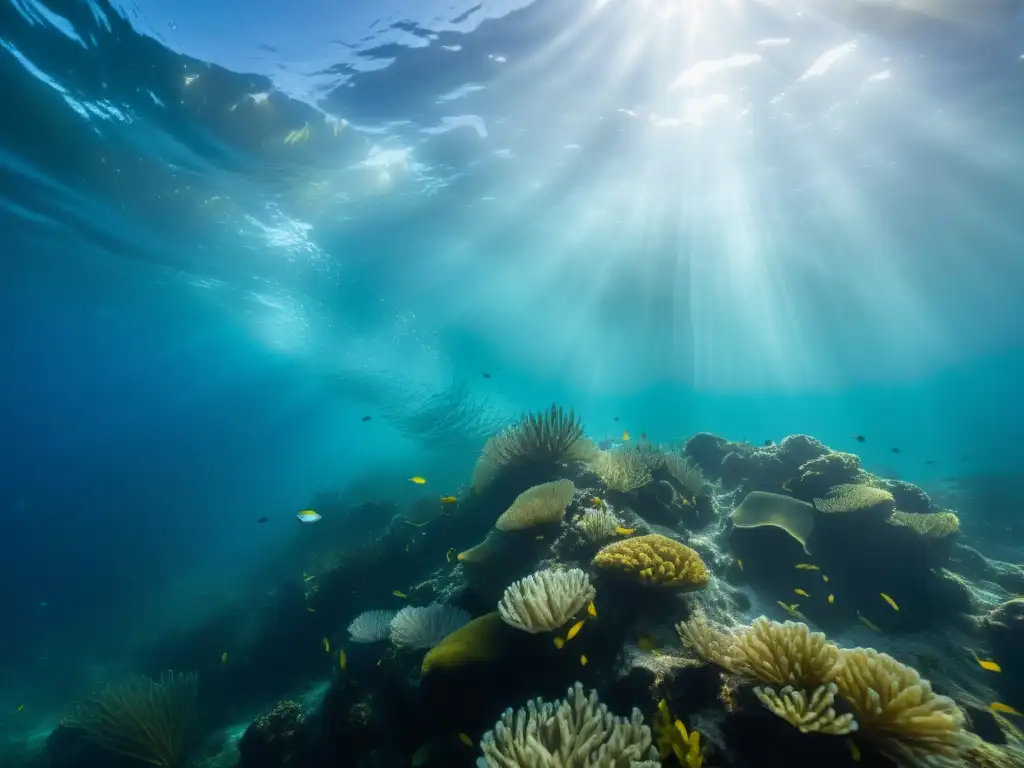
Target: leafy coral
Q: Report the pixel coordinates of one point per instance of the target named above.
(539, 505)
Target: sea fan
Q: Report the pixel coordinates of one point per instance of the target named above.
(371, 626)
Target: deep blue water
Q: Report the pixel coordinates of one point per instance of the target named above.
(229, 231)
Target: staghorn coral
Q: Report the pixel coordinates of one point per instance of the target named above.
(686, 472)
(625, 469)
(577, 732)
(935, 525)
(478, 641)
(141, 718)
(539, 505)
(547, 437)
(899, 713)
(371, 626)
(856, 497)
(654, 559)
(597, 524)
(809, 714)
(545, 600)
(419, 627)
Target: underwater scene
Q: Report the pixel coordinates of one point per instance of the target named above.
(512, 384)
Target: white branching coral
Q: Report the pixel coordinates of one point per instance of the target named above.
(809, 714)
(545, 600)
(577, 732)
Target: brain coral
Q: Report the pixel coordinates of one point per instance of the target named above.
(655, 559)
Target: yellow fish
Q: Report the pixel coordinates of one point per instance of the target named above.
(739, 562)
(418, 480)
(1005, 709)
(592, 609)
(21, 707)
(791, 609)
(308, 516)
(449, 553)
(559, 643)
(327, 645)
(854, 750)
(224, 658)
(890, 601)
(623, 531)
(625, 435)
(583, 660)
(465, 740)
(801, 592)
(400, 593)
(824, 578)
(807, 567)
(831, 598)
(989, 665)
(574, 630)
(449, 499)
(342, 659)
(868, 623)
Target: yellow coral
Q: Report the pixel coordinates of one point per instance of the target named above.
(539, 505)
(856, 497)
(655, 559)
(782, 654)
(935, 525)
(478, 641)
(808, 714)
(898, 711)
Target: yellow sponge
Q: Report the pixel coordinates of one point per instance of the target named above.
(655, 559)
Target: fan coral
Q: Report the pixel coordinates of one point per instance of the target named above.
(539, 505)
(424, 627)
(545, 600)
(655, 559)
(371, 626)
(478, 641)
(812, 714)
(577, 732)
(141, 718)
(856, 497)
(898, 711)
(621, 470)
(936, 525)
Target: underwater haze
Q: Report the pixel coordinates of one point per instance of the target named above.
(258, 258)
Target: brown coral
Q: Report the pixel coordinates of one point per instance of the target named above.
(655, 559)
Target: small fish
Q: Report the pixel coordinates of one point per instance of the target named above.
(418, 480)
(308, 577)
(860, 438)
(801, 592)
(623, 531)
(307, 516)
(854, 750)
(559, 643)
(769, 443)
(895, 450)
(367, 418)
(868, 623)
(739, 562)
(989, 665)
(929, 461)
(224, 658)
(311, 610)
(643, 435)
(824, 578)
(616, 418)
(327, 645)
(807, 567)
(583, 660)
(449, 499)
(592, 609)
(1005, 709)
(831, 598)
(486, 375)
(449, 553)
(263, 519)
(21, 707)
(463, 737)
(625, 436)
(342, 659)
(400, 593)
(574, 630)
(890, 601)
(791, 609)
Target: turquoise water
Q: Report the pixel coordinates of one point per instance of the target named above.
(230, 232)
